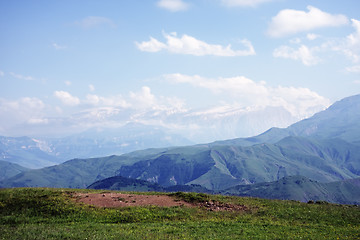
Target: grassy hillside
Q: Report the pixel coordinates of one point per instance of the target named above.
(28, 213)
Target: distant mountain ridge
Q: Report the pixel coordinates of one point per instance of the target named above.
(325, 153)
(26, 152)
(44, 152)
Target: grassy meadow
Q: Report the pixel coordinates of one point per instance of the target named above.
(43, 213)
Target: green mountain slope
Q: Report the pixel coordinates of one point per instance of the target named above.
(219, 167)
(8, 169)
(213, 167)
(302, 189)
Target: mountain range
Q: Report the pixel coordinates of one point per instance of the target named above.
(43, 152)
(324, 148)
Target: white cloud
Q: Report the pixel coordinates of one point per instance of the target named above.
(38, 121)
(66, 98)
(351, 46)
(300, 102)
(151, 46)
(356, 81)
(235, 85)
(68, 83)
(91, 88)
(303, 53)
(144, 99)
(114, 101)
(353, 69)
(2, 74)
(295, 41)
(289, 21)
(59, 47)
(173, 5)
(94, 21)
(348, 46)
(15, 112)
(21, 77)
(244, 3)
(93, 99)
(192, 46)
(312, 36)
(354, 38)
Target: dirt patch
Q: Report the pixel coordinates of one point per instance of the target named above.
(114, 200)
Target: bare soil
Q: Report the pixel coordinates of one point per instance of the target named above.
(116, 200)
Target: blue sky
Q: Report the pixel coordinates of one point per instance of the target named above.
(70, 65)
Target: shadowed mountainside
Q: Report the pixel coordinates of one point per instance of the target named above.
(302, 189)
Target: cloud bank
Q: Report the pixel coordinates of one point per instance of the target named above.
(300, 102)
(237, 95)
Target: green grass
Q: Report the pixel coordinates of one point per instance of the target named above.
(40, 213)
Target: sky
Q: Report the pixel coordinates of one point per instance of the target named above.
(66, 66)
